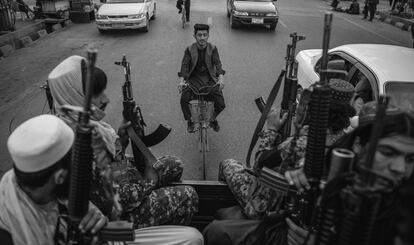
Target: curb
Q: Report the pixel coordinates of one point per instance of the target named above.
(403, 24)
(37, 31)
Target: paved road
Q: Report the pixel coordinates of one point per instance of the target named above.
(252, 57)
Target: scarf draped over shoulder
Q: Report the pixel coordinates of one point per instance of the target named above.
(20, 216)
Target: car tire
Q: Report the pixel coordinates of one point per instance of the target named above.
(233, 23)
(153, 13)
(272, 27)
(146, 28)
(102, 31)
(228, 13)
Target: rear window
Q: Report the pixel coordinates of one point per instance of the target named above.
(401, 93)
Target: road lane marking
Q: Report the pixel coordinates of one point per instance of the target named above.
(210, 21)
(368, 30)
(283, 24)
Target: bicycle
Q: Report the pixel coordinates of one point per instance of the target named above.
(202, 113)
(183, 14)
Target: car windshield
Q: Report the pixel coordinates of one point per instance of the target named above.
(124, 1)
(255, 0)
(401, 94)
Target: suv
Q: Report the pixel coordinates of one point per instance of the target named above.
(252, 12)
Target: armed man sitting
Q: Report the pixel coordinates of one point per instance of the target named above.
(33, 195)
(144, 200)
(393, 165)
(201, 66)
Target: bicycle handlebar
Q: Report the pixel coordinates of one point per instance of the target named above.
(197, 91)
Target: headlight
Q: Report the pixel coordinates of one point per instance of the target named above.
(101, 17)
(136, 16)
(241, 13)
(271, 14)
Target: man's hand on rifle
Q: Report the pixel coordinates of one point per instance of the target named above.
(220, 81)
(93, 222)
(298, 178)
(297, 235)
(123, 135)
(182, 84)
(274, 121)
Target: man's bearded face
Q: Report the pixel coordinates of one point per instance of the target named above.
(394, 160)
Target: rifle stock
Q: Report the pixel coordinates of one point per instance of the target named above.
(132, 112)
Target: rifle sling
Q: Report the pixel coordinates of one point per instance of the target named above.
(261, 122)
(141, 146)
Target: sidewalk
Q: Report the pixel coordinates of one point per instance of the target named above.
(27, 32)
(383, 14)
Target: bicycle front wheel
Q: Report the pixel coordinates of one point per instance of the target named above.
(204, 148)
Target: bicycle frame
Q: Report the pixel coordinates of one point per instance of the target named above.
(202, 113)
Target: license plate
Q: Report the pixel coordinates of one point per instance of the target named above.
(117, 25)
(257, 21)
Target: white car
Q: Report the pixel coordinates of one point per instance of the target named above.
(389, 69)
(252, 12)
(125, 14)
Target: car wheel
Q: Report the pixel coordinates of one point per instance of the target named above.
(233, 23)
(272, 27)
(228, 13)
(146, 28)
(102, 31)
(153, 13)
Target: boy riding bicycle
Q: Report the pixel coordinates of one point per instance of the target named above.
(187, 8)
(201, 66)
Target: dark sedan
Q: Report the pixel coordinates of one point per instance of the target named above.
(252, 12)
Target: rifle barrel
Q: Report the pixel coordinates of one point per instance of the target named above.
(92, 53)
(325, 47)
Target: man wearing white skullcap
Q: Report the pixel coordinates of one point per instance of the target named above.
(32, 194)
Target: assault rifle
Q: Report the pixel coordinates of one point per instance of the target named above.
(301, 205)
(132, 113)
(318, 111)
(82, 157)
(289, 100)
(291, 84)
(81, 171)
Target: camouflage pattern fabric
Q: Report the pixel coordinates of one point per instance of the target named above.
(167, 205)
(254, 198)
(143, 202)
